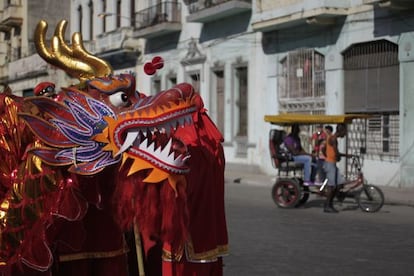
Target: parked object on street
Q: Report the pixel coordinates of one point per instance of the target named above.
(290, 191)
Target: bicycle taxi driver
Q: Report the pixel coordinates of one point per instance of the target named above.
(333, 174)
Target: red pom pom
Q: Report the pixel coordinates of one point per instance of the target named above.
(158, 62)
(149, 69)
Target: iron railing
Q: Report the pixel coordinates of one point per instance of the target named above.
(197, 5)
(163, 12)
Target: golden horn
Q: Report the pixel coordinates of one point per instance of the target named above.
(76, 61)
(102, 68)
(60, 34)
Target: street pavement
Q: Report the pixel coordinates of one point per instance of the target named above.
(251, 175)
(266, 240)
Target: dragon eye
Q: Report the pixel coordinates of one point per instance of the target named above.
(119, 99)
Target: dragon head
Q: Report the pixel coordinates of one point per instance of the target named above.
(104, 121)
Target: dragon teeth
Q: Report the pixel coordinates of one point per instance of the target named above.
(147, 144)
(164, 153)
(129, 140)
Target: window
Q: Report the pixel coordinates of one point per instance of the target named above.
(104, 17)
(172, 81)
(156, 85)
(303, 74)
(16, 53)
(132, 13)
(378, 135)
(383, 135)
(195, 80)
(80, 14)
(218, 81)
(372, 86)
(118, 12)
(28, 92)
(241, 86)
(17, 49)
(90, 5)
(372, 77)
(9, 50)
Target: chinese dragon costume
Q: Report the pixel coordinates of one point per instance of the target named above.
(83, 168)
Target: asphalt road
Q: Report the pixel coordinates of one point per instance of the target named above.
(267, 240)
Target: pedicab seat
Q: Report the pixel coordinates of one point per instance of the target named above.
(281, 158)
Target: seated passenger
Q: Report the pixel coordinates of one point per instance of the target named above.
(317, 138)
(294, 145)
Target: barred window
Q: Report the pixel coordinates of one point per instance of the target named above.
(303, 74)
(241, 90)
(371, 77)
(378, 135)
(372, 86)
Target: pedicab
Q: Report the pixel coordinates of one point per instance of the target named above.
(289, 190)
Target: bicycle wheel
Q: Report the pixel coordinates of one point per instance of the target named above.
(370, 199)
(286, 193)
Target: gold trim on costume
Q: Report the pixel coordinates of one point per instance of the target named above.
(170, 257)
(202, 257)
(92, 255)
(206, 256)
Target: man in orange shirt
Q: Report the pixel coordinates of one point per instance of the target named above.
(332, 172)
(319, 143)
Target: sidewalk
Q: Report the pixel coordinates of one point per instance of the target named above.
(251, 175)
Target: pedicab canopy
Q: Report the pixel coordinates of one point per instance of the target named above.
(309, 119)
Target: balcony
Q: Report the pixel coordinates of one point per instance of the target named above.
(370, 2)
(12, 15)
(27, 67)
(275, 15)
(158, 20)
(118, 47)
(392, 4)
(5, 28)
(110, 41)
(211, 10)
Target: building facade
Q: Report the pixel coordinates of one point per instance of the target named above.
(338, 57)
(250, 58)
(20, 66)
